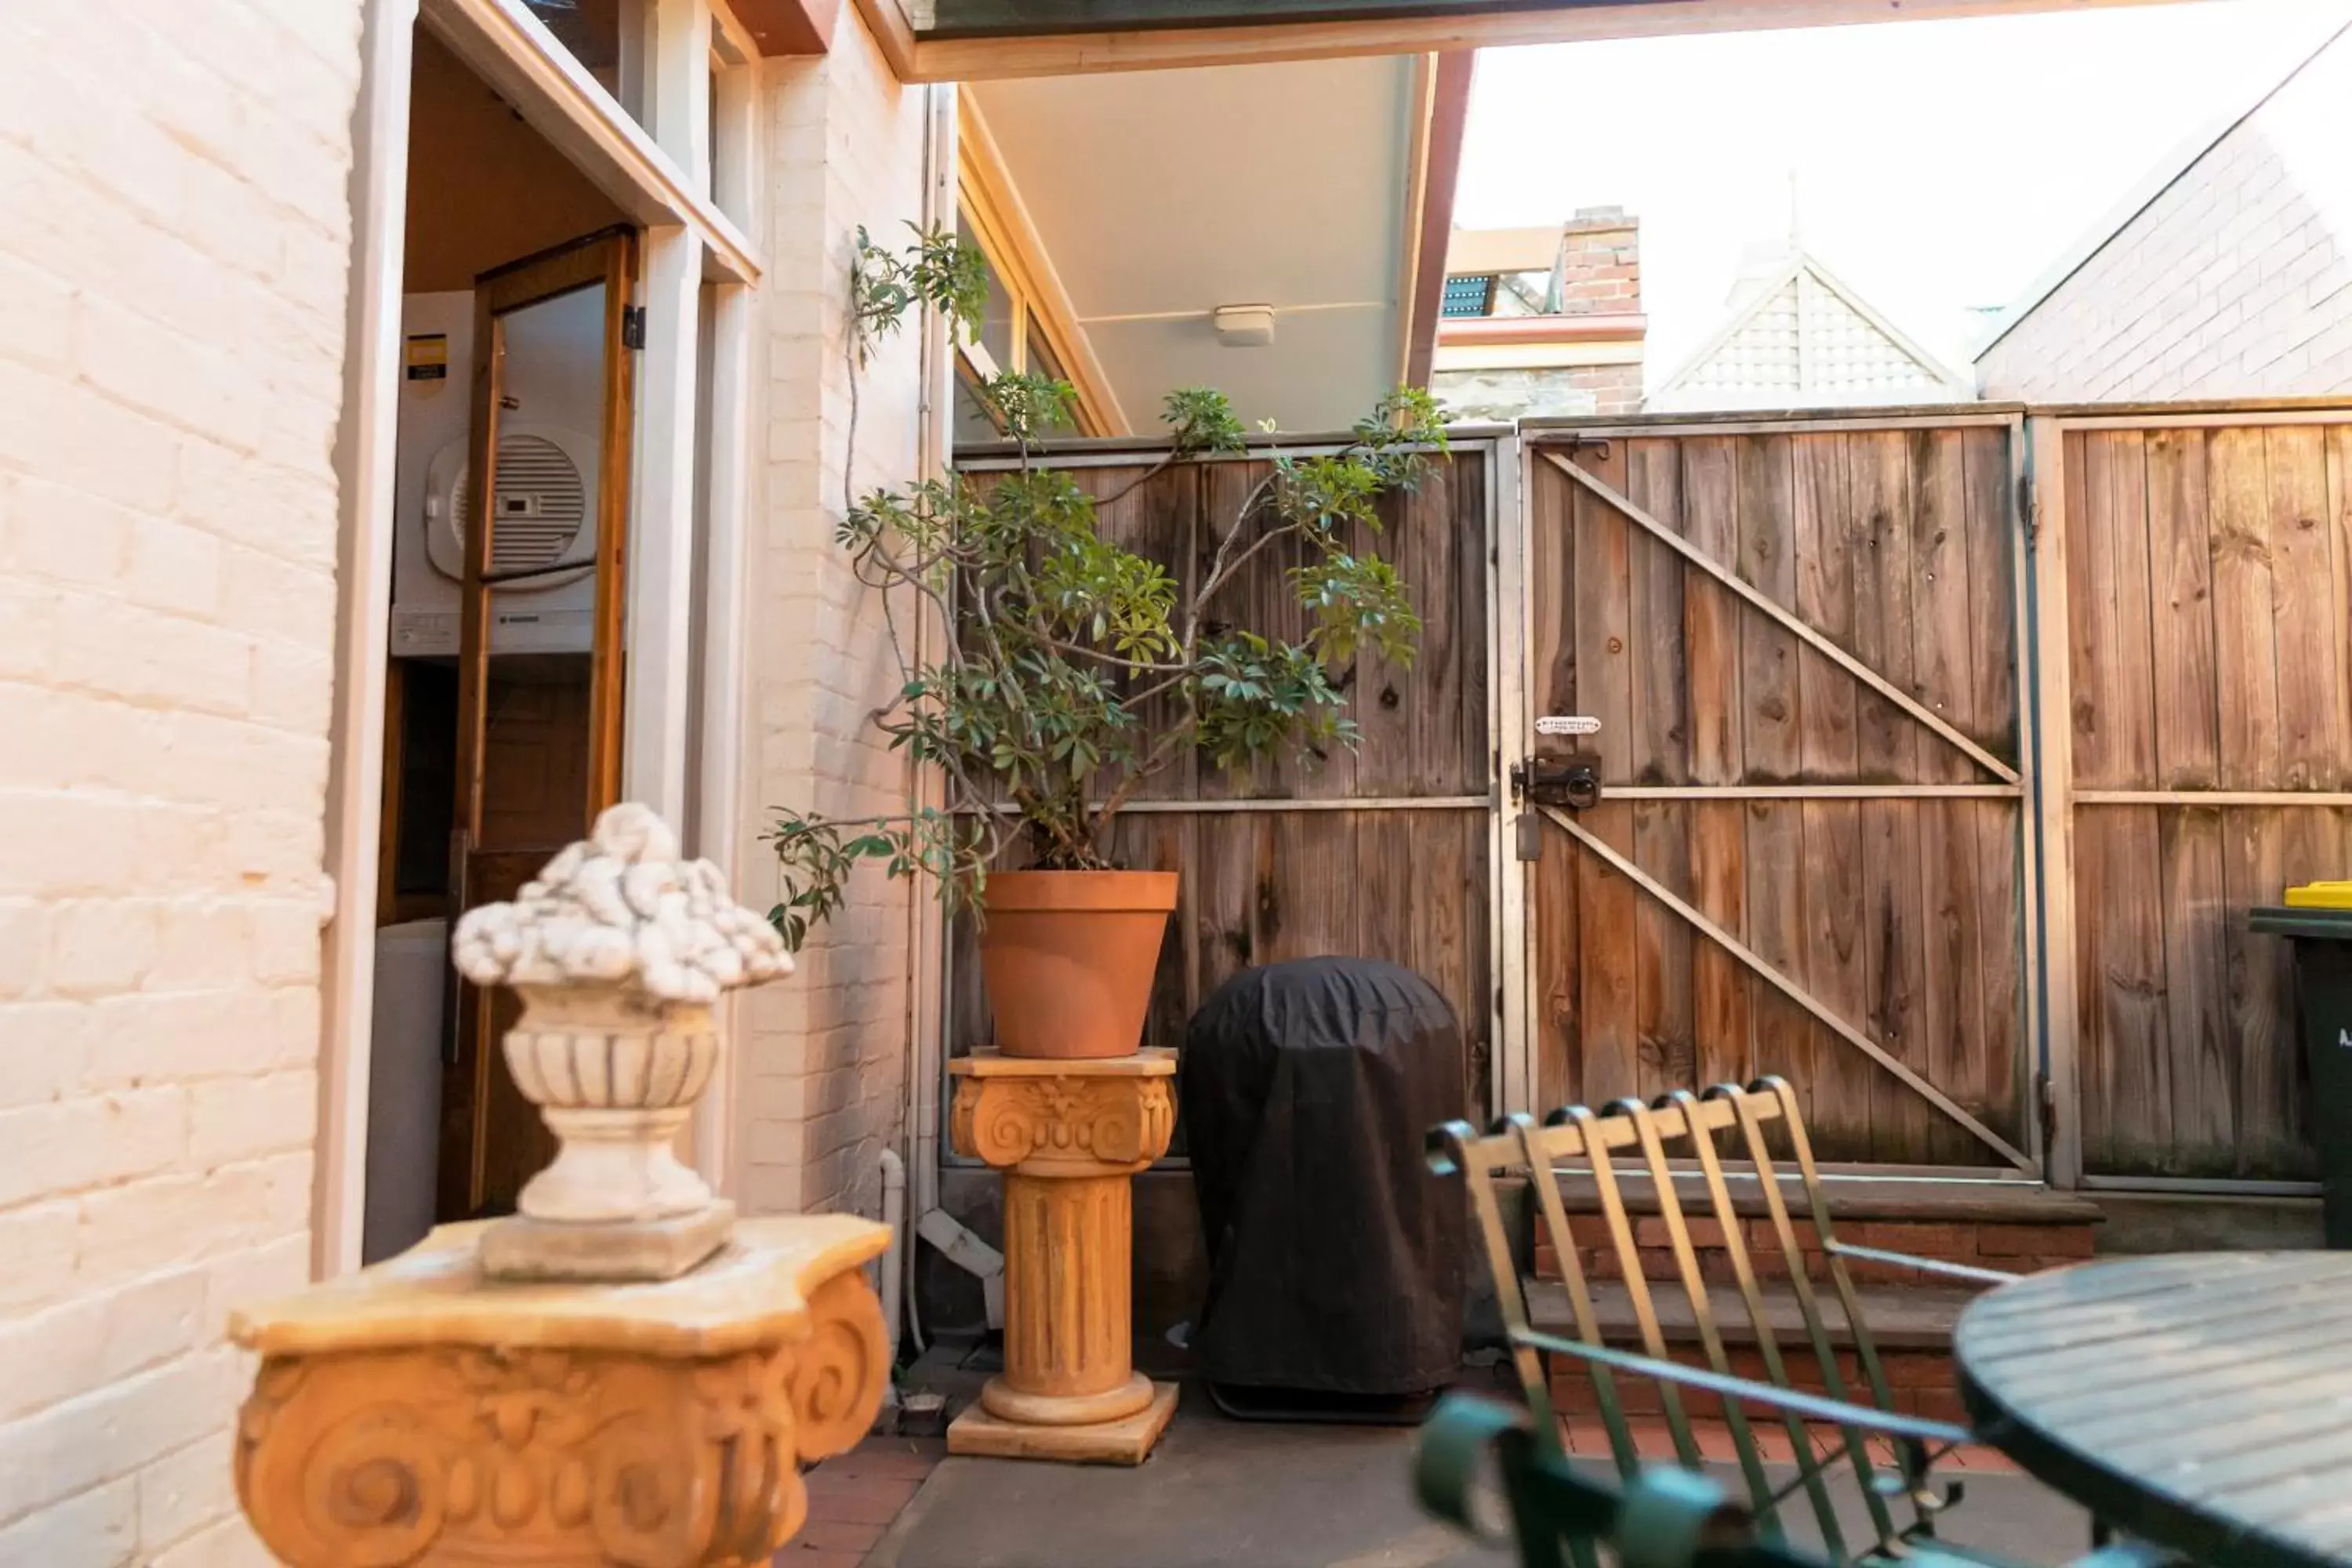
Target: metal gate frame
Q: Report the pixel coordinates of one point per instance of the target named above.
(1514, 1074)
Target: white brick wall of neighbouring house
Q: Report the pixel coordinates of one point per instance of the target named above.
(2233, 280)
(174, 240)
(175, 246)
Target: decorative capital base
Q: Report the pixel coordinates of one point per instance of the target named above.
(1065, 1118)
(420, 1412)
(1068, 1135)
(1129, 1440)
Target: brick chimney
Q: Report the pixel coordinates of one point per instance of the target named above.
(1600, 263)
(1566, 343)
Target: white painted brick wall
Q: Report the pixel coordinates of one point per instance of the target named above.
(2235, 282)
(174, 248)
(825, 1055)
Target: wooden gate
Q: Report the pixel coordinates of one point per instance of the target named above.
(1800, 640)
(2196, 573)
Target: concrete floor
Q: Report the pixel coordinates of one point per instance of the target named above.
(1224, 1492)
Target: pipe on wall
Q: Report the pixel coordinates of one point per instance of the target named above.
(894, 1259)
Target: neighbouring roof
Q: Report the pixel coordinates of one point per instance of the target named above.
(2159, 179)
(1490, 250)
(1799, 338)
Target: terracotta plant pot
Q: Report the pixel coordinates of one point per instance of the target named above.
(1069, 958)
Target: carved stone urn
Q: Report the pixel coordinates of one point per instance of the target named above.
(621, 1374)
(618, 949)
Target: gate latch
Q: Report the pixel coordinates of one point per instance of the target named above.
(1570, 779)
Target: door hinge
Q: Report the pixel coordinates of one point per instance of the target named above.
(633, 326)
(2048, 1092)
(2025, 507)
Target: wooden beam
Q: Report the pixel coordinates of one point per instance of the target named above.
(2212, 797)
(1509, 620)
(1045, 19)
(1445, 111)
(1343, 31)
(1801, 627)
(1294, 804)
(2052, 716)
(2029, 764)
(1773, 422)
(1419, 96)
(1829, 1017)
(886, 20)
(2203, 412)
(1815, 792)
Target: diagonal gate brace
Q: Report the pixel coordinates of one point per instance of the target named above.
(1796, 624)
(1792, 990)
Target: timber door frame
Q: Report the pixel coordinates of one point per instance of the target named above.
(2058, 797)
(607, 259)
(1540, 448)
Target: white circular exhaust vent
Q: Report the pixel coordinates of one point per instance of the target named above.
(546, 507)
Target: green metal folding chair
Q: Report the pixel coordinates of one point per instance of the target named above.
(1656, 1518)
(1846, 1417)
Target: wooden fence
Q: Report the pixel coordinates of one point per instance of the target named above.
(1949, 812)
(1381, 852)
(2200, 567)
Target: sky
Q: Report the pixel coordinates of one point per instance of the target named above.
(1936, 166)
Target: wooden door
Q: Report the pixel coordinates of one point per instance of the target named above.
(539, 734)
(1801, 641)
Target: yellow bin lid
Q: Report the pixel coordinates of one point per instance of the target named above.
(2320, 896)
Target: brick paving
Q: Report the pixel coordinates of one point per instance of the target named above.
(854, 1497)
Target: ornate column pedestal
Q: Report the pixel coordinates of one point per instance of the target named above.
(1069, 1137)
(421, 1412)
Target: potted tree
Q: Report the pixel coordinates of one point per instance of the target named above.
(1060, 670)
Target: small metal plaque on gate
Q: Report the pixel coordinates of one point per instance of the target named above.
(1566, 724)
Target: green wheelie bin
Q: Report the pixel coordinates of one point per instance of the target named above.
(2318, 918)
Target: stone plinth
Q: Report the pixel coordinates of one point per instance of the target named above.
(1069, 1137)
(421, 1412)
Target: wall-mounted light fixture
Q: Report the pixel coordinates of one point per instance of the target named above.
(1244, 326)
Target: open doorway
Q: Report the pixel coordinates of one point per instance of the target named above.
(503, 660)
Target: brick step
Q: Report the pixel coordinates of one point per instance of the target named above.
(1653, 1443)
(1917, 1200)
(2012, 1245)
(1910, 1325)
(1899, 1317)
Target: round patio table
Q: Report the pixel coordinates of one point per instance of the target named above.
(2200, 1401)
